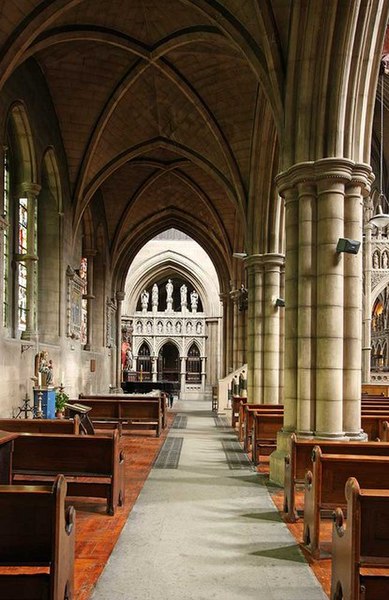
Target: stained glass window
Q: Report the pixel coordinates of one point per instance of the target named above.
(6, 239)
(23, 221)
(84, 302)
(22, 302)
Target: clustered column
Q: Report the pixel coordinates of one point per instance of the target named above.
(120, 295)
(323, 297)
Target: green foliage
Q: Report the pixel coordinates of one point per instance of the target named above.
(60, 400)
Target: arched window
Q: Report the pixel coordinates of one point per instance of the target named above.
(143, 363)
(20, 246)
(193, 365)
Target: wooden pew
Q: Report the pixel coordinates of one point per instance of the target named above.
(299, 460)
(361, 546)
(161, 395)
(324, 486)
(41, 425)
(126, 413)
(250, 413)
(236, 401)
(373, 426)
(244, 409)
(36, 530)
(266, 425)
(92, 464)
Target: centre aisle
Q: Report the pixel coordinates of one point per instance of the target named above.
(204, 526)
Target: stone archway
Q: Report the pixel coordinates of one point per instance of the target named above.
(169, 363)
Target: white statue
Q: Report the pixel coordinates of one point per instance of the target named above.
(169, 292)
(385, 260)
(194, 298)
(154, 295)
(144, 299)
(199, 327)
(184, 292)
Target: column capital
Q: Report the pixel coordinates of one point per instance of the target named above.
(332, 168)
(273, 259)
(120, 295)
(254, 262)
(29, 188)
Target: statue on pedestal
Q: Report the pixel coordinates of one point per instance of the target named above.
(144, 298)
(154, 296)
(194, 298)
(184, 292)
(169, 293)
(43, 369)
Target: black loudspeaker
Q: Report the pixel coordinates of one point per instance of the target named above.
(348, 246)
(279, 302)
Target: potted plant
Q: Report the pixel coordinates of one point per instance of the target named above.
(60, 400)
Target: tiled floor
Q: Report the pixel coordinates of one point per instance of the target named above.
(96, 532)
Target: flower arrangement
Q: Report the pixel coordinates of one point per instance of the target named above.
(61, 398)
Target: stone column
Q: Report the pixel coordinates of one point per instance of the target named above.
(203, 373)
(154, 368)
(353, 268)
(183, 374)
(366, 323)
(227, 335)
(31, 191)
(323, 296)
(255, 271)
(120, 295)
(306, 307)
(271, 337)
(89, 254)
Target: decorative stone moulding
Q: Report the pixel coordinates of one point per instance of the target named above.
(76, 287)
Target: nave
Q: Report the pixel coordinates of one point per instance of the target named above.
(205, 526)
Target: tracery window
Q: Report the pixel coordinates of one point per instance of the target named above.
(193, 366)
(22, 267)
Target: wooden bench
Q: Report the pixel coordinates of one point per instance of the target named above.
(299, 460)
(251, 414)
(324, 486)
(125, 413)
(92, 464)
(244, 409)
(36, 530)
(71, 426)
(374, 426)
(161, 395)
(236, 402)
(266, 425)
(362, 547)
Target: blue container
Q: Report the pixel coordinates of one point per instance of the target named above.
(48, 402)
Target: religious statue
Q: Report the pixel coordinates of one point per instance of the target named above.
(199, 327)
(159, 326)
(189, 327)
(144, 298)
(194, 298)
(385, 260)
(169, 292)
(44, 369)
(376, 261)
(128, 362)
(154, 295)
(184, 292)
(178, 327)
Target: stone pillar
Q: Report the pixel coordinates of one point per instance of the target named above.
(271, 329)
(183, 374)
(352, 334)
(366, 323)
(120, 295)
(89, 254)
(154, 368)
(227, 333)
(255, 269)
(323, 294)
(30, 191)
(203, 373)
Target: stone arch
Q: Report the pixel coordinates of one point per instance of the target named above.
(22, 144)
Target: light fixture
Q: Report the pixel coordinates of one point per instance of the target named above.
(279, 302)
(348, 246)
(381, 219)
(240, 255)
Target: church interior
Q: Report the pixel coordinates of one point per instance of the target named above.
(195, 299)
